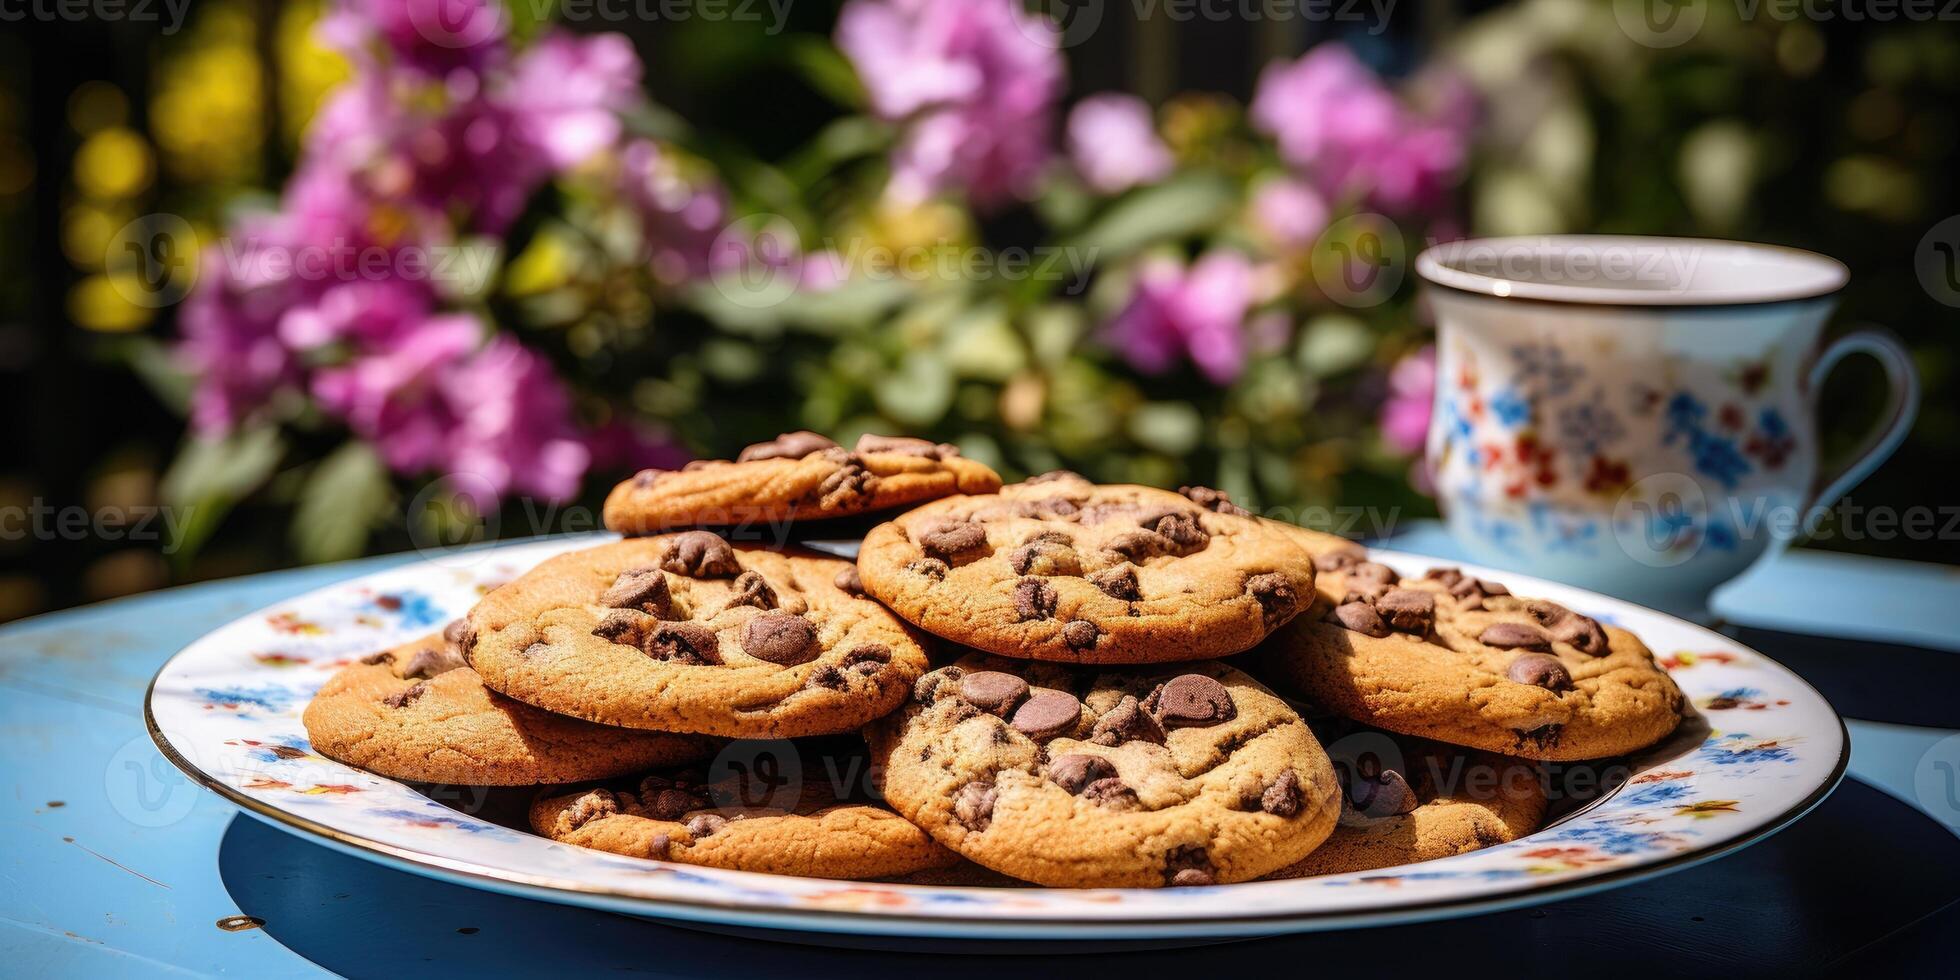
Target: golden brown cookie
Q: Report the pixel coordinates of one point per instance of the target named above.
(1438, 801)
(416, 712)
(797, 476)
(1329, 551)
(686, 632)
(1061, 569)
(1079, 777)
(676, 817)
(1461, 660)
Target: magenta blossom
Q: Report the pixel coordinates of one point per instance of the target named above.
(1411, 395)
(568, 91)
(1197, 312)
(1288, 212)
(974, 84)
(1334, 119)
(680, 215)
(430, 37)
(492, 417)
(1114, 145)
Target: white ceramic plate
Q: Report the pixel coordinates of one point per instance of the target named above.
(227, 711)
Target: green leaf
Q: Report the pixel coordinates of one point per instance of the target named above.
(1335, 342)
(919, 392)
(1171, 428)
(346, 497)
(826, 69)
(1177, 208)
(210, 476)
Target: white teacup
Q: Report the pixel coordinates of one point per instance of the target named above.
(1638, 415)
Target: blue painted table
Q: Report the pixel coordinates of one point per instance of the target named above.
(116, 866)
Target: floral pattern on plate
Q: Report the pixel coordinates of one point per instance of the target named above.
(1763, 749)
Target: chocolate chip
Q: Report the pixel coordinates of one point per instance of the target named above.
(1075, 771)
(407, 695)
(1044, 557)
(1371, 571)
(1541, 669)
(1112, 793)
(384, 657)
(931, 568)
(1408, 610)
(670, 803)
(1277, 598)
(1127, 722)
(1386, 795)
(1118, 582)
(1191, 701)
(782, 638)
(789, 445)
(1080, 634)
(906, 446)
(1448, 576)
(1140, 545)
(644, 589)
(1361, 618)
(1583, 633)
(869, 654)
(993, 691)
(587, 808)
(659, 847)
(685, 643)
(1514, 636)
(432, 661)
(627, 626)
(1046, 714)
(1033, 599)
(973, 805)
(850, 480)
(1214, 500)
(646, 478)
(926, 689)
(1282, 797)
(953, 542)
(1188, 865)
(828, 677)
(458, 633)
(1334, 561)
(751, 589)
(1181, 529)
(704, 824)
(699, 554)
(848, 580)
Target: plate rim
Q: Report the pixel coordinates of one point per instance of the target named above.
(1051, 926)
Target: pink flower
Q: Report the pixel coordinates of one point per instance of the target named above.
(680, 217)
(568, 92)
(492, 417)
(1289, 212)
(1411, 396)
(973, 82)
(430, 37)
(1336, 121)
(1196, 312)
(231, 346)
(1114, 145)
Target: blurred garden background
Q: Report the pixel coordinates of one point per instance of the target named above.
(296, 282)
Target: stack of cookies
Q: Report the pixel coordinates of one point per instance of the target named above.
(1039, 673)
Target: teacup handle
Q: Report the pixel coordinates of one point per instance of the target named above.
(1902, 408)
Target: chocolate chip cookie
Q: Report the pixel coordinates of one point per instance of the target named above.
(1061, 569)
(677, 817)
(689, 633)
(1077, 777)
(797, 476)
(1459, 659)
(1329, 551)
(1435, 802)
(416, 712)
